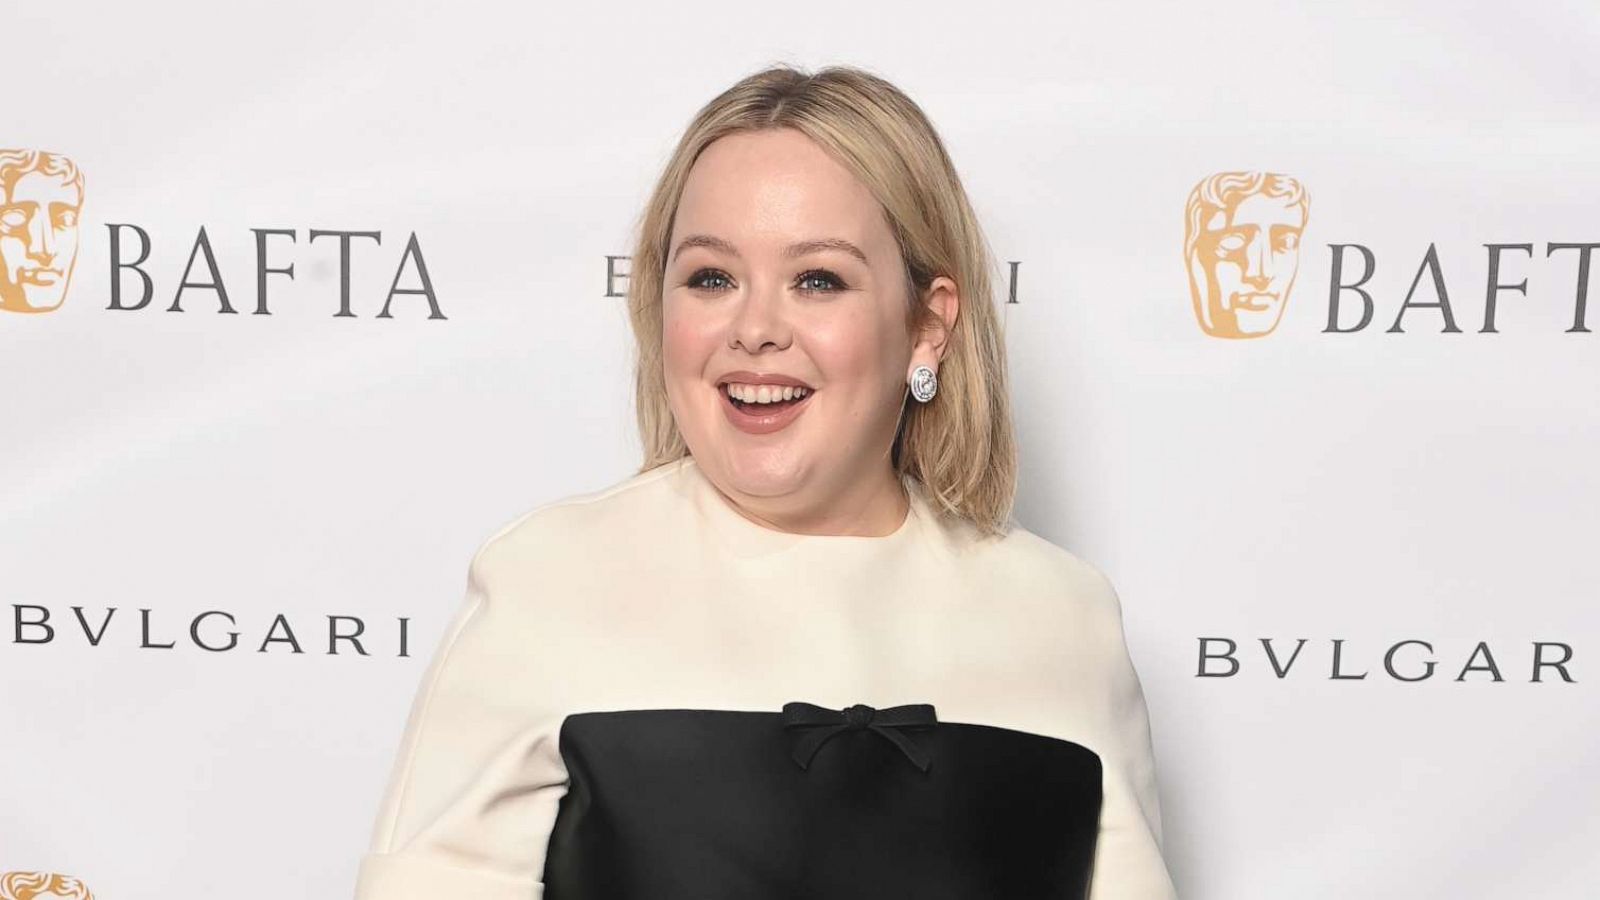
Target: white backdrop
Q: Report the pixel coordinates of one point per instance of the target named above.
(1370, 487)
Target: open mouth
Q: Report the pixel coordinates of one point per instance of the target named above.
(774, 403)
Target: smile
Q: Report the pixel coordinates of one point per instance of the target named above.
(756, 417)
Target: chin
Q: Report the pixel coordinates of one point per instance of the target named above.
(767, 472)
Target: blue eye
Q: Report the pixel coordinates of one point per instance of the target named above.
(699, 279)
(829, 279)
(816, 281)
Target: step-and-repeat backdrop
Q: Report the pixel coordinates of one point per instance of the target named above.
(301, 301)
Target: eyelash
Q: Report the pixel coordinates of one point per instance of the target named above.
(697, 280)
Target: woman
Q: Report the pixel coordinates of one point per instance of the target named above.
(802, 652)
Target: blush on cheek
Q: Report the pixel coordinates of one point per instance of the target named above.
(673, 342)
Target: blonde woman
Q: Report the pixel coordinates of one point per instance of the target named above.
(804, 652)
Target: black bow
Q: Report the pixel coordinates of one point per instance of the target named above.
(825, 723)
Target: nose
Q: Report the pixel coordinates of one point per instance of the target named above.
(1258, 262)
(41, 238)
(761, 319)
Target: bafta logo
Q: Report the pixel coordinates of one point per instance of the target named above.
(1241, 244)
(40, 197)
(41, 886)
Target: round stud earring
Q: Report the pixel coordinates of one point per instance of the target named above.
(924, 383)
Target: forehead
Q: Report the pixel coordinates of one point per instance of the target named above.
(777, 184)
(1259, 209)
(38, 187)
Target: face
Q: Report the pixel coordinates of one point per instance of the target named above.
(782, 267)
(38, 242)
(1248, 255)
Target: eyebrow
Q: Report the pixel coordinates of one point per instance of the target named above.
(793, 250)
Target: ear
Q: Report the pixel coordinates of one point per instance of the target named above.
(944, 301)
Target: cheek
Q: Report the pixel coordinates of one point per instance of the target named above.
(1285, 263)
(855, 350)
(687, 343)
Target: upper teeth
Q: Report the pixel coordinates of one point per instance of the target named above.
(764, 393)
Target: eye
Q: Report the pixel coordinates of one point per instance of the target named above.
(700, 278)
(1230, 244)
(831, 282)
(1287, 242)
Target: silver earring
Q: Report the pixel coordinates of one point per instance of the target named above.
(924, 383)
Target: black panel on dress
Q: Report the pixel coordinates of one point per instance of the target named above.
(674, 804)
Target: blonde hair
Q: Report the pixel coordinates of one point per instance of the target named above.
(961, 445)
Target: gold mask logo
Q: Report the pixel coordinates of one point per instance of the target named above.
(41, 195)
(1241, 244)
(42, 886)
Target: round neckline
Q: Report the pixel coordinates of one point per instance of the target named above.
(744, 534)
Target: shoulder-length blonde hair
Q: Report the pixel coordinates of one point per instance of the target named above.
(961, 445)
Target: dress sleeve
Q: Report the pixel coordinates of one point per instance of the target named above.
(1128, 862)
(475, 785)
